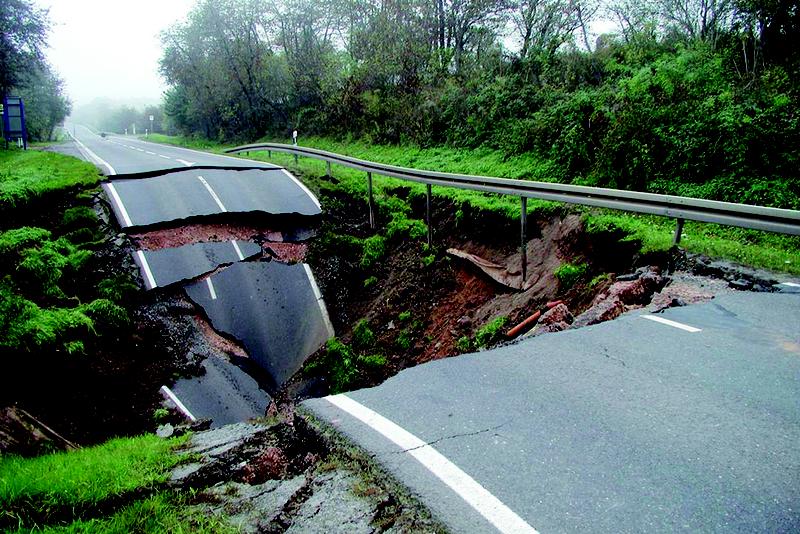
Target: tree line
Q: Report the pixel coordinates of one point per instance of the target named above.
(24, 70)
(694, 97)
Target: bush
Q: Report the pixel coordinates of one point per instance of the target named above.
(374, 249)
(363, 337)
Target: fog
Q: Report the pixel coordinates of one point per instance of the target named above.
(110, 48)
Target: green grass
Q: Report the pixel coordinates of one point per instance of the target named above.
(161, 513)
(750, 247)
(88, 475)
(26, 175)
(491, 332)
(568, 274)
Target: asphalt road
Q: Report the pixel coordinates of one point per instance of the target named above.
(274, 309)
(628, 426)
(128, 155)
(168, 266)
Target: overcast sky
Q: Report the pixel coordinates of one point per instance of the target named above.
(110, 48)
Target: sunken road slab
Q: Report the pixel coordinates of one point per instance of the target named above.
(225, 394)
(191, 193)
(167, 266)
(275, 310)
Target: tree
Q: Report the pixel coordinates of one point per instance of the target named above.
(23, 36)
(46, 106)
(544, 25)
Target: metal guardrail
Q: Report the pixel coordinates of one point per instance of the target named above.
(681, 208)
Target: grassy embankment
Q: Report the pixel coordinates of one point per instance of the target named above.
(114, 487)
(49, 312)
(749, 247)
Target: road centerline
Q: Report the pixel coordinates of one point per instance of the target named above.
(211, 290)
(237, 249)
(479, 498)
(674, 324)
(212, 193)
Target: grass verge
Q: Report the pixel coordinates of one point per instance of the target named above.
(27, 175)
(750, 247)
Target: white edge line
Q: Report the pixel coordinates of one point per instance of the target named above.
(320, 301)
(211, 290)
(178, 403)
(118, 201)
(149, 279)
(790, 284)
(674, 324)
(212, 193)
(490, 507)
(302, 186)
(92, 155)
(237, 249)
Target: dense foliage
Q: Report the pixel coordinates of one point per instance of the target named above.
(690, 97)
(24, 71)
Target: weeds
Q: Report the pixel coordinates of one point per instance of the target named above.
(568, 274)
(491, 332)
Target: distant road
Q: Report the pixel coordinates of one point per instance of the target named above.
(116, 154)
(689, 422)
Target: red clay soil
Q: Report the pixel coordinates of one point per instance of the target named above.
(198, 233)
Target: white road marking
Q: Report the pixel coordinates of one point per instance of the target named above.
(490, 507)
(237, 249)
(151, 153)
(674, 324)
(187, 163)
(149, 279)
(178, 403)
(302, 186)
(92, 155)
(211, 288)
(790, 284)
(320, 302)
(120, 206)
(212, 193)
(163, 156)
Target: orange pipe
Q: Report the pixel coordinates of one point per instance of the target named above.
(553, 303)
(517, 330)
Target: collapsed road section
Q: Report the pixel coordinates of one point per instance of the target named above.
(181, 194)
(238, 283)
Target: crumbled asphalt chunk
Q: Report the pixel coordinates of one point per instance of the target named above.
(252, 509)
(333, 507)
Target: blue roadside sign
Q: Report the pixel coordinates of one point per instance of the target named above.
(14, 128)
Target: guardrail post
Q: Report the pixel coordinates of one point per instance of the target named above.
(371, 202)
(523, 217)
(428, 214)
(269, 154)
(330, 175)
(676, 239)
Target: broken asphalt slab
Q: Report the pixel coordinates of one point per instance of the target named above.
(225, 394)
(167, 266)
(186, 194)
(275, 310)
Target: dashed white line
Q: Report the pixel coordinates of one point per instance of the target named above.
(211, 290)
(163, 156)
(178, 403)
(151, 153)
(320, 301)
(490, 507)
(187, 163)
(237, 249)
(120, 206)
(212, 193)
(673, 324)
(149, 279)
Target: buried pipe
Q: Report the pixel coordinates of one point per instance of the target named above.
(524, 325)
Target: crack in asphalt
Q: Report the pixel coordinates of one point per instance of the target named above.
(453, 436)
